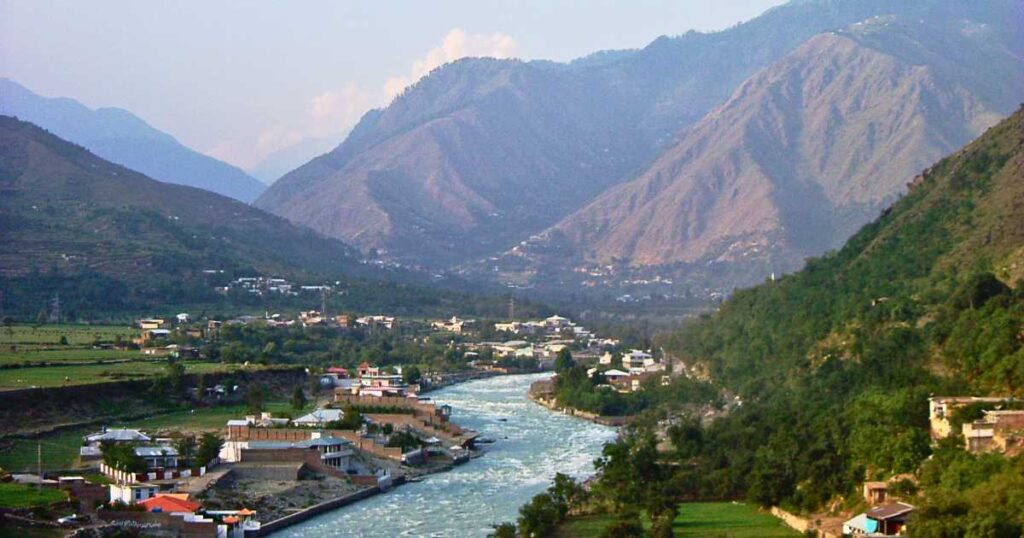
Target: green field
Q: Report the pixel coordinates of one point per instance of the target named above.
(60, 450)
(68, 354)
(22, 496)
(75, 334)
(697, 520)
(62, 376)
(28, 344)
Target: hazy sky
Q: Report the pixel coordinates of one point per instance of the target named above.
(240, 79)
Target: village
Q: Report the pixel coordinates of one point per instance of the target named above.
(359, 430)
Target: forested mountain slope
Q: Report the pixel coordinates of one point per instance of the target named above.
(109, 238)
(835, 363)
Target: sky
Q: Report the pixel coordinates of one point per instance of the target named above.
(239, 80)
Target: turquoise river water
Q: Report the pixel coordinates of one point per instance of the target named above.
(533, 443)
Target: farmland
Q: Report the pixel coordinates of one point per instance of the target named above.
(62, 376)
(60, 449)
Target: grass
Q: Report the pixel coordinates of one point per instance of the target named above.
(32, 344)
(60, 450)
(75, 334)
(697, 520)
(59, 376)
(65, 354)
(24, 496)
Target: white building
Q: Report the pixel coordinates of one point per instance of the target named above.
(319, 418)
(132, 493)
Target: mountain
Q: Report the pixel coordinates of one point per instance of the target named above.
(808, 149)
(822, 378)
(481, 154)
(65, 212)
(835, 363)
(121, 137)
(284, 160)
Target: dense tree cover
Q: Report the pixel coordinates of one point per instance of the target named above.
(971, 495)
(88, 295)
(322, 346)
(575, 389)
(834, 364)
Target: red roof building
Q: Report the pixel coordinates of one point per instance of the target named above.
(169, 504)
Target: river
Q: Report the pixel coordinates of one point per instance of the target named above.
(533, 443)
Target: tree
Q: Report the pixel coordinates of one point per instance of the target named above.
(122, 456)
(255, 396)
(186, 447)
(63, 340)
(175, 373)
(411, 374)
(505, 530)
(298, 399)
(209, 448)
(564, 360)
(539, 517)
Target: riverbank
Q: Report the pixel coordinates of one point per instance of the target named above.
(542, 393)
(532, 443)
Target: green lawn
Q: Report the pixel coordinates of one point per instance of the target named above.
(58, 376)
(697, 520)
(21, 496)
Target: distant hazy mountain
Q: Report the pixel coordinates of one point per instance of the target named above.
(810, 148)
(482, 154)
(121, 137)
(286, 159)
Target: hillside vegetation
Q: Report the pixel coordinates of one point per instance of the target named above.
(834, 364)
(108, 239)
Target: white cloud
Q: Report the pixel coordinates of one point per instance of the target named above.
(456, 44)
(332, 113)
(334, 110)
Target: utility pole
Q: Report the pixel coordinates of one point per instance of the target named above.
(39, 467)
(512, 308)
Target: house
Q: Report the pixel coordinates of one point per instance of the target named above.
(150, 323)
(637, 360)
(341, 372)
(615, 375)
(376, 322)
(158, 457)
(875, 492)
(132, 493)
(170, 503)
(321, 453)
(455, 325)
(890, 519)
(183, 318)
(1000, 430)
(557, 323)
(941, 409)
(92, 442)
(319, 418)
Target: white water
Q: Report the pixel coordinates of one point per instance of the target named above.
(532, 445)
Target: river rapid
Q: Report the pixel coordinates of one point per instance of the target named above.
(532, 444)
